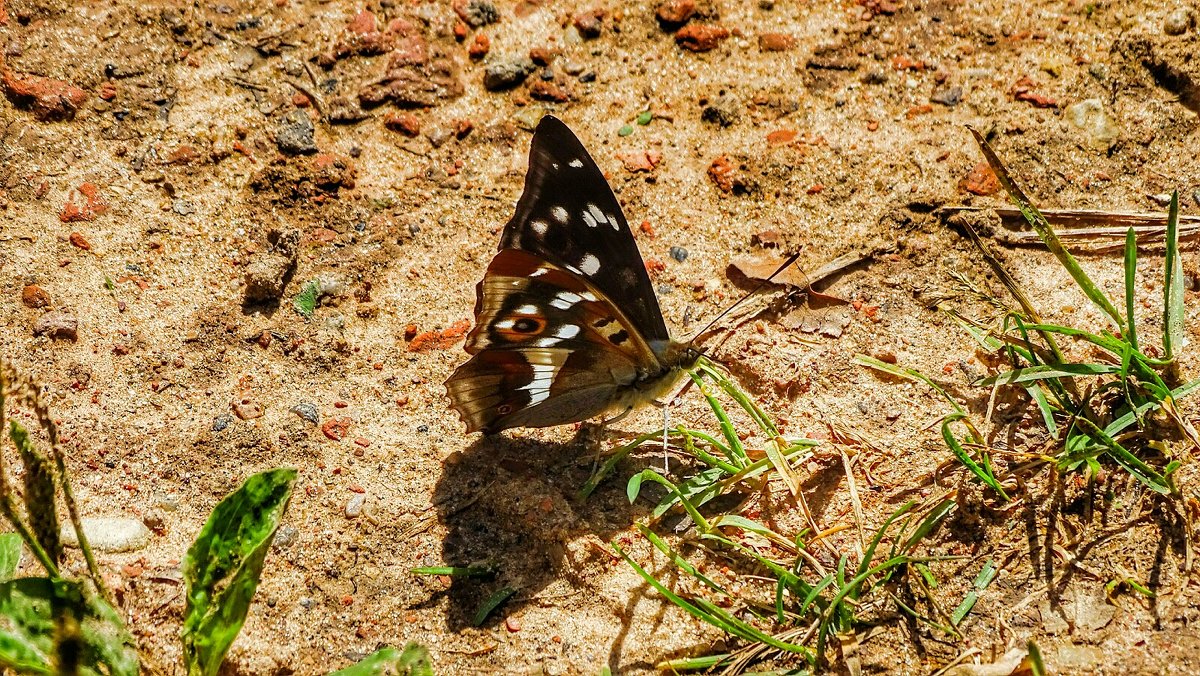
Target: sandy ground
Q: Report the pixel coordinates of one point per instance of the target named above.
(170, 140)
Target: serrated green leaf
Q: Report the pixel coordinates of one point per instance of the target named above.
(223, 565)
(42, 620)
(40, 502)
(413, 661)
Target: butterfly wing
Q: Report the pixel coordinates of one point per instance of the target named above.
(569, 216)
(548, 348)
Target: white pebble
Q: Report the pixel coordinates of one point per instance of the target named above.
(354, 507)
(113, 534)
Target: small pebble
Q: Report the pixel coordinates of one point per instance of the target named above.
(34, 296)
(725, 110)
(480, 13)
(572, 67)
(117, 534)
(354, 506)
(307, 603)
(1163, 199)
(679, 253)
(947, 96)
(423, 429)
(1196, 197)
(183, 207)
(1178, 22)
(295, 135)
(247, 410)
(501, 75)
(221, 422)
(57, 325)
(589, 76)
(512, 624)
(155, 521)
(285, 536)
(308, 411)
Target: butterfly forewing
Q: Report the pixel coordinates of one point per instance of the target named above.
(569, 216)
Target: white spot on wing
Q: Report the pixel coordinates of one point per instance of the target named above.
(613, 221)
(539, 227)
(597, 214)
(567, 331)
(505, 325)
(527, 310)
(538, 273)
(587, 218)
(588, 295)
(539, 386)
(590, 264)
(577, 163)
(560, 214)
(565, 299)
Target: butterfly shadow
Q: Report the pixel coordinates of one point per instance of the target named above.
(510, 503)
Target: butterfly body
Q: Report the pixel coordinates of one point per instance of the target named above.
(567, 326)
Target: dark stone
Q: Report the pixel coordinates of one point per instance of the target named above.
(295, 134)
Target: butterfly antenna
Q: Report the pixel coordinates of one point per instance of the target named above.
(785, 265)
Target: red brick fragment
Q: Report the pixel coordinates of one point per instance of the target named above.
(48, 99)
(439, 340)
(700, 37)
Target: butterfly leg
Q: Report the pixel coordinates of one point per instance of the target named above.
(616, 419)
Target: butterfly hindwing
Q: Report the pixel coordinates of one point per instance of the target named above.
(548, 348)
(569, 216)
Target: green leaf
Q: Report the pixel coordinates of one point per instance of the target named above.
(1131, 285)
(1173, 284)
(10, 555)
(306, 301)
(484, 570)
(493, 602)
(965, 458)
(985, 577)
(40, 502)
(223, 565)
(644, 117)
(44, 620)
(413, 661)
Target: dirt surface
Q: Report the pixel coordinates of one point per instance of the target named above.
(173, 173)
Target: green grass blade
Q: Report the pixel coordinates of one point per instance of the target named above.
(1046, 233)
(710, 613)
(1173, 285)
(413, 661)
(985, 577)
(1033, 373)
(1132, 464)
(680, 562)
(1036, 666)
(10, 555)
(737, 453)
(1118, 425)
(611, 464)
(1039, 397)
(695, 663)
(491, 604)
(869, 553)
(965, 458)
(850, 587)
(485, 570)
(1131, 285)
(907, 374)
(635, 483)
(222, 567)
(698, 490)
(931, 521)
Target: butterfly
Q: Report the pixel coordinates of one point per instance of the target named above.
(567, 326)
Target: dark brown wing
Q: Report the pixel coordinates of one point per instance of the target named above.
(569, 216)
